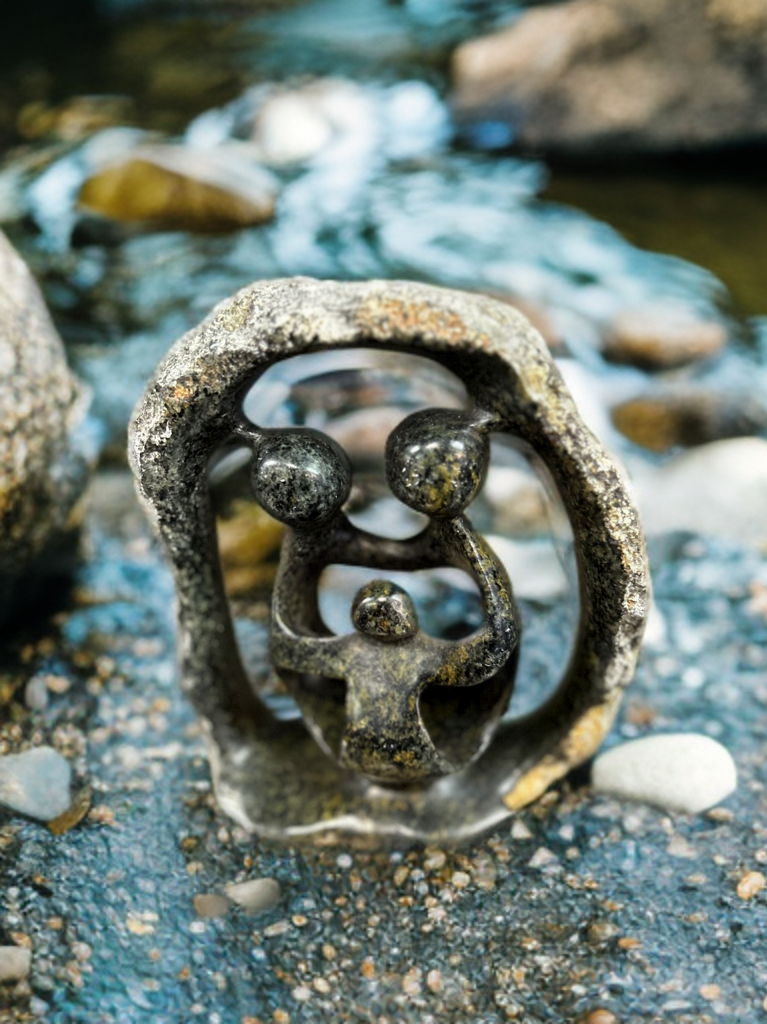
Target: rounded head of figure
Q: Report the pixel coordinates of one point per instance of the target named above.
(300, 477)
(436, 461)
(384, 611)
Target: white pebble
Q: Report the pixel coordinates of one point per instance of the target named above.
(36, 783)
(15, 962)
(677, 771)
(255, 896)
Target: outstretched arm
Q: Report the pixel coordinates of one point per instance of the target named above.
(475, 660)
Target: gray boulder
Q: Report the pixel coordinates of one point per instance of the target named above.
(617, 77)
(43, 443)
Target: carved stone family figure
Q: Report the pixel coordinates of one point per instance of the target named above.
(365, 757)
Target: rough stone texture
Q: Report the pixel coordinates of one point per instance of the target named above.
(675, 771)
(43, 466)
(614, 77)
(194, 404)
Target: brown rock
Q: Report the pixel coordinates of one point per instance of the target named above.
(169, 186)
(658, 339)
(688, 417)
(599, 1016)
(618, 77)
(43, 466)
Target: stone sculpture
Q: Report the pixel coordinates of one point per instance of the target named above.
(363, 758)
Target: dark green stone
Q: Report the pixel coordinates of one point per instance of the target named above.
(385, 611)
(300, 477)
(436, 460)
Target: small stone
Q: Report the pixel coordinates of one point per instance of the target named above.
(36, 694)
(15, 962)
(710, 992)
(217, 189)
(678, 772)
(434, 981)
(36, 783)
(680, 847)
(599, 932)
(542, 858)
(520, 831)
(599, 1016)
(211, 904)
(255, 896)
(688, 416)
(750, 884)
(660, 338)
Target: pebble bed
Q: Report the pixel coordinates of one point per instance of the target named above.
(581, 907)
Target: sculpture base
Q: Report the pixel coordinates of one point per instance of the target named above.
(285, 787)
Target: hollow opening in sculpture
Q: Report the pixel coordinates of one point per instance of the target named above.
(357, 398)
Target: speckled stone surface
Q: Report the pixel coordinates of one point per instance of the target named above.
(194, 405)
(43, 467)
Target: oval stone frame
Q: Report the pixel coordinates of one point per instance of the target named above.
(270, 775)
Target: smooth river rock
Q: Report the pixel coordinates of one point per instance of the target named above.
(256, 895)
(718, 490)
(44, 448)
(15, 962)
(688, 416)
(615, 77)
(677, 771)
(36, 783)
(222, 188)
(658, 338)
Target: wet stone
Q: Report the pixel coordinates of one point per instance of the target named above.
(36, 783)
